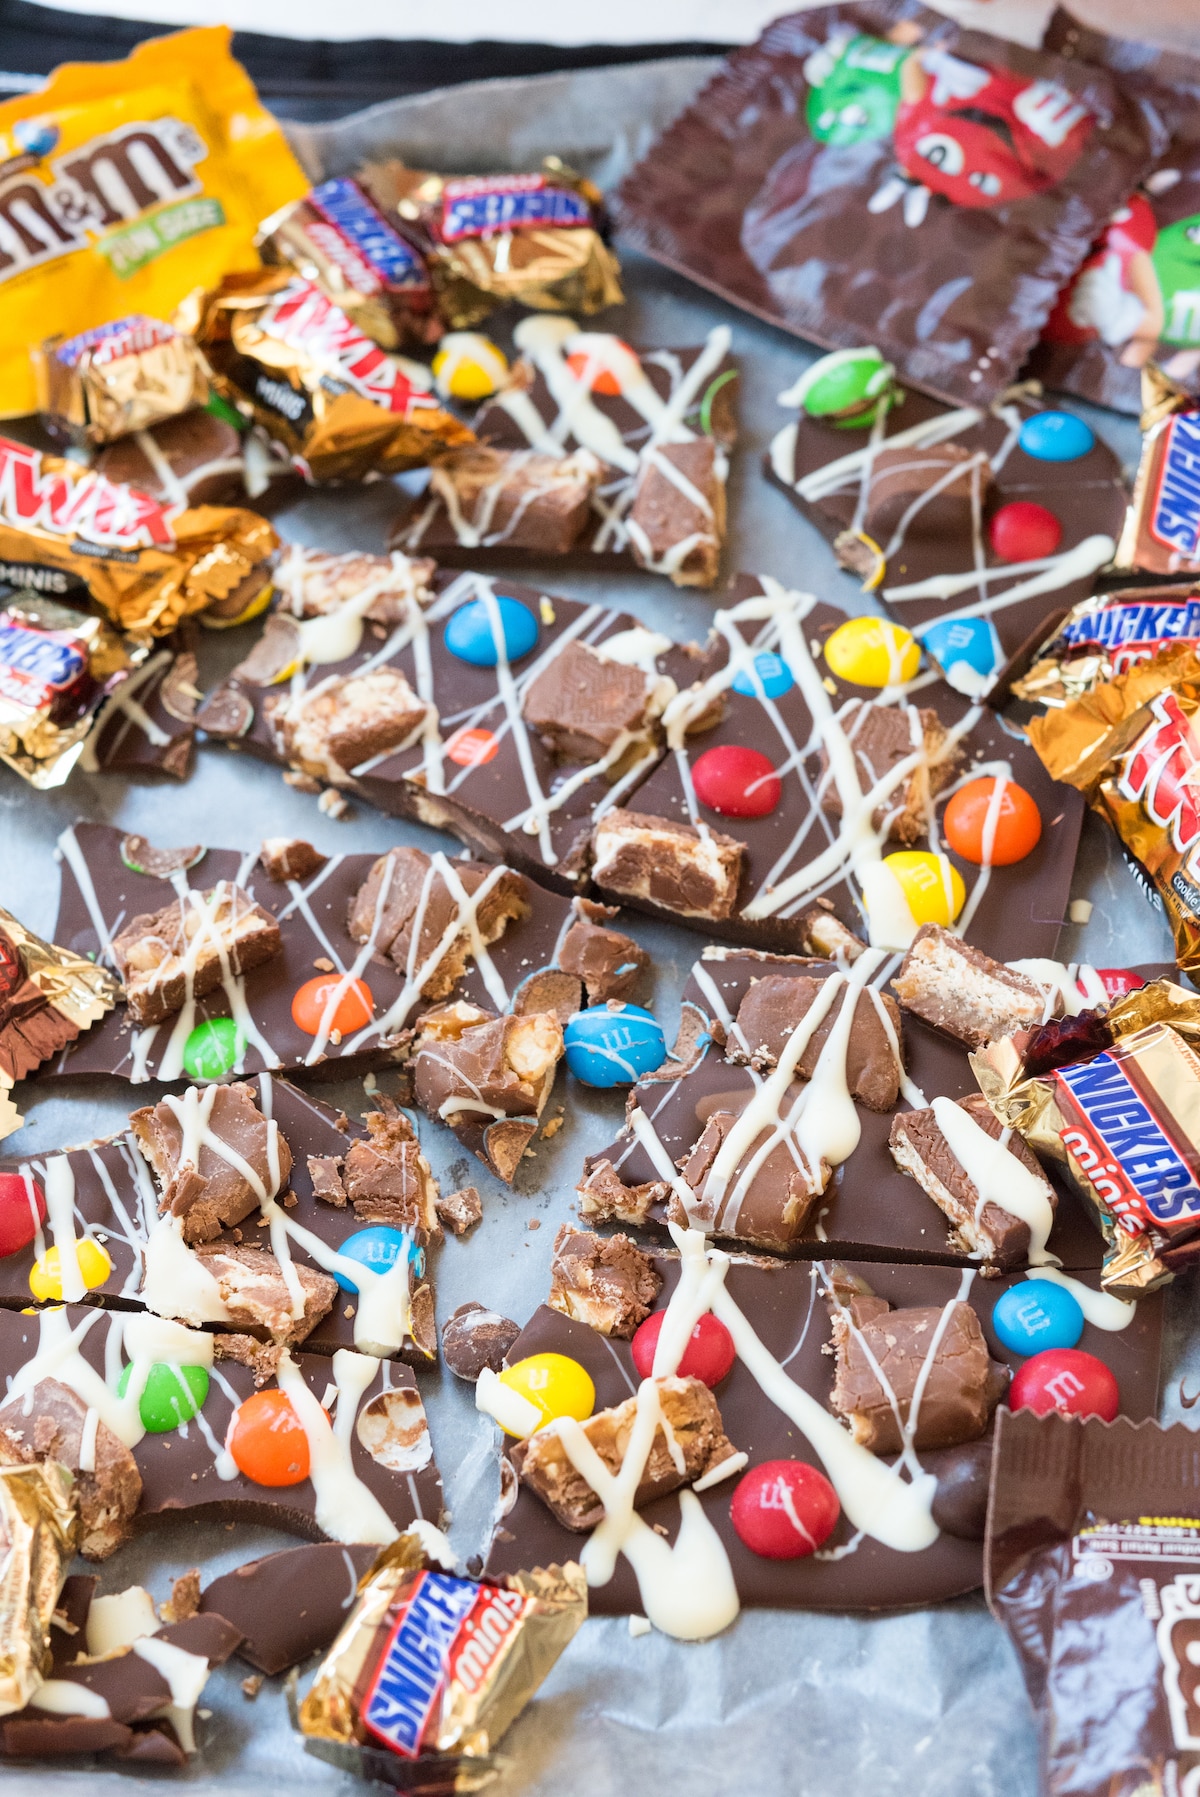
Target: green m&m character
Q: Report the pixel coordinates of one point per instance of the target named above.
(1176, 258)
(845, 388)
(854, 88)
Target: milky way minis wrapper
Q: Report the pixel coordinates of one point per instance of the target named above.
(146, 563)
(1107, 635)
(1122, 1117)
(38, 1533)
(341, 406)
(338, 239)
(534, 238)
(57, 668)
(48, 997)
(118, 378)
(432, 1664)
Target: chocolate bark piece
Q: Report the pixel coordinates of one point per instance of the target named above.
(256, 1294)
(672, 866)
(925, 490)
(49, 1423)
(34, 1735)
(961, 991)
(474, 1337)
(776, 1005)
(209, 1191)
(689, 1411)
(387, 1179)
(197, 455)
(992, 1235)
(605, 1198)
(313, 583)
(290, 1604)
(327, 730)
(924, 1373)
(783, 1183)
(290, 858)
(826, 937)
(407, 906)
(585, 706)
(460, 1211)
(676, 519)
(513, 497)
(148, 724)
(883, 736)
(609, 963)
(605, 1281)
(487, 1077)
(183, 951)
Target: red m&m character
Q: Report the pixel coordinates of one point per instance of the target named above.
(784, 1509)
(267, 1440)
(708, 1356)
(1067, 1381)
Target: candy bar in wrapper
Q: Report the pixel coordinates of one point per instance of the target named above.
(1107, 635)
(1092, 1567)
(340, 406)
(1123, 1121)
(57, 668)
(338, 239)
(48, 996)
(1162, 527)
(146, 564)
(428, 1663)
(38, 1531)
(534, 238)
(116, 379)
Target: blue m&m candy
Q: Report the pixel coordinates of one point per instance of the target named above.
(378, 1249)
(969, 643)
(613, 1045)
(470, 635)
(773, 673)
(1055, 437)
(1037, 1315)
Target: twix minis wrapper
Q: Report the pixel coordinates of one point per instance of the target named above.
(38, 1533)
(48, 997)
(118, 378)
(1122, 1117)
(428, 1663)
(146, 564)
(1107, 635)
(341, 406)
(492, 238)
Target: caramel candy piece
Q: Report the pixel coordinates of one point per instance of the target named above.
(460, 1211)
(605, 1198)
(776, 1005)
(474, 1338)
(518, 497)
(256, 1294)
(609, 963)
(48, 1424)
(205, 935)
(471, 1067)
(689, 1411)
(290, 858)
(337, 724)
(667, 864)
(583, 706)
(211, 1194)
(418, 892)
(605, 1281)
(963, 992)
(883, 736)
(676, 522)
(388, 1180)
(993, 1235)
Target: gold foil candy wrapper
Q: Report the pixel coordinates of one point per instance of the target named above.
(48, 996)
(506, 1639)
(1105, 636)
(58, 667)
(478, 261)
(117, 379)
(38, 1531)
(1127, 1133)
(291, 359)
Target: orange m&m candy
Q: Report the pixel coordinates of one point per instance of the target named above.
(472, 748)
(353, 1010)
(600, 375)
(267, 1440)
(1013, 822)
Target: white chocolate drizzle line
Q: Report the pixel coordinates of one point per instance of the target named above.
(345, 1510)
(1100, 1309)
(68, 844)
(998, 1176)
(125, 705)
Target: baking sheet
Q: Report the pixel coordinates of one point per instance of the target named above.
(924, 1703)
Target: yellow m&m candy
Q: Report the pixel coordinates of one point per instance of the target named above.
(555, 1384)
(468, 365)
(873, 652)
(931, 884)
(45, 1281)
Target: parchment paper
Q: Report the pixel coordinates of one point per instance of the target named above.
(927, 1704)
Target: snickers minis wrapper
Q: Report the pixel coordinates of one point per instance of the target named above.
(1115, 1099)
(1107, 635)
(534, 238)
(1092, 1567)
(336, 238)
(1162, 526)
(146, 564)
(38, 1531)
(116, 379)
(48, 997)
(431, 1664)
(296, 363)
(58, 667)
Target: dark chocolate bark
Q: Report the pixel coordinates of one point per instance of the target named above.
(290, 1604)
(147, 726)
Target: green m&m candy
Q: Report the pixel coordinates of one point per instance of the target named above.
(844, 388)
(173, 1395)
(213, 1048)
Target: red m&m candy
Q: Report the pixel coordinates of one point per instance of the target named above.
(353, 1010)
(708, 1356)
(784, 1509)
(737, 782)
(22, 1211)
(1024, 532)
(1068, 1381)
(1117, 981)
(600, 367)
(267, 1440)
(1015, 828)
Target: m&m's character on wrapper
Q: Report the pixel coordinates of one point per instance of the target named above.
(1116, 295)
(854, 88)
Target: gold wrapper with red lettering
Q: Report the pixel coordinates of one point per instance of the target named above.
(1106, 635)
(48, 996)
(1123, 1120)
(118, 378)
(342, 407)
(58, 668)
(38, 1530)
(488, 239)
(146, 563)
(485, 1647)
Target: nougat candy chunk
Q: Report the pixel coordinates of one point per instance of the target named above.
(605, 1281)
(689, 1411)
(964, 993)
(605, 1198)
(163, 957)
(516, 497)
(408, 907)
(585, 706)
(256, 1294)
(882, 736)
(775, 1006)
(342, 721)
(487, 1077)
(290, 858)
(48, 1423)
(211, 1193)
(609, 963)
(676, 521)
(675, 866)
(388, 1180)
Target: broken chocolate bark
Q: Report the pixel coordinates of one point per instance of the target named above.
(511, 498)
(607, 1282)
(963, 992)
(168, 958)
(215, 1156)
(775, 1007)
(291, 1604)
(148, 724)
(487, 1077)
(883, 736)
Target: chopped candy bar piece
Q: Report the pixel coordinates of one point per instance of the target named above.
(675, 866)
(191, 947)
(460, 1211)
(776, 1005)
(609, 963)
(325, 1172)
(585, 706)
(329, 729)
(882, 737)
(607, 1281)
(677, 516)
(605, 1198)
(312, 583)
(514, 497)
(290, 858)
(487, 1077)
(786, 1185)
(256, 1294)
(958, 989)
(215, 1156)
(826, 937)
(453, 907)
(387, 1179)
